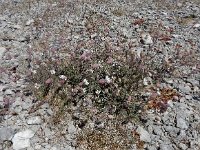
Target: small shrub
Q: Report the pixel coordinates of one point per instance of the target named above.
(111, 78)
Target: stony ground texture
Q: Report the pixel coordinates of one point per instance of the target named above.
(170, 29)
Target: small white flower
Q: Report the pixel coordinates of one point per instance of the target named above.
(158, 92)
(145, 82)
(37, 86)
(91, 70)
(97, 92)
(86, 82)
(84, 90)
(34, 71)
(138, 52)
(108, 80)
(63, 77)
(52, 71)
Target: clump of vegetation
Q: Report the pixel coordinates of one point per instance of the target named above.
(106, 80)
(95, 72)
(109, 79)
(118, 12)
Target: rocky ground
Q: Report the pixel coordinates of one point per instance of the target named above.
(170, 29)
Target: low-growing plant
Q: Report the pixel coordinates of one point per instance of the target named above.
(112, 78)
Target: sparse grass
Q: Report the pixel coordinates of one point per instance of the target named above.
(102, 140)
(118, 12)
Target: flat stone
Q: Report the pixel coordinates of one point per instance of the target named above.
(150, 129)
(34, 120)
(54, 148)
(179, 4)
(152, 148)
(193, 144)
(9, 92)
(22, 139)
(176, 35)
(173, 131)
(165, 139)
(2, 87)
(147, 81)
(195, 134)
(168, 80)
(188, 96)
(26, 105)
(6, 133)
(21, 39)
(146, 39)
(144, 135)
(3, 18)
(183, 146)
(126, 33)
(44, 144)
(157, 130)
(185, 89)
(16, 26)
(196, 25)
(182, 99)
(45, 106)
(166, 147)
(38, 146)
(47, 132)
(93, 35)
(181, 123)
(71, 128)
(1, 98)
(35, 128)
(49, 112)
(193, 82)
(170, 103)
(67, 147)
(18, 109)
(154, 138)
(2, 51)
(47, 146)
(196, 89)
(29, 22)
(165, 117)
(29, 148)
